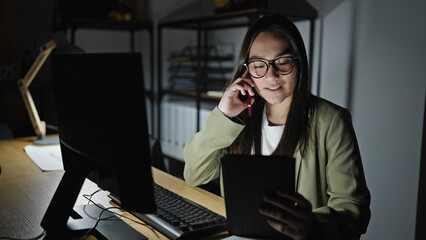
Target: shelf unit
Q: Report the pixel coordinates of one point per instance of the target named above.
(131, 27)
(183, 68)
(196, 17)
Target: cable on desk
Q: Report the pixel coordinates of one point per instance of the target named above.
(97, 221)
(89, 198)
(34, 238)
(99, 218)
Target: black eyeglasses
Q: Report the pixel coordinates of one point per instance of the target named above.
(281, 65)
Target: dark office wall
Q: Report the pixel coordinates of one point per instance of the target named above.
(10, 58)
(26, 25)
(388, 110)
(9, 32)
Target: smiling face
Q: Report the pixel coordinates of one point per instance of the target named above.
(274, 88)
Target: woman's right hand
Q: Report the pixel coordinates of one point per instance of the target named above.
(230, 104)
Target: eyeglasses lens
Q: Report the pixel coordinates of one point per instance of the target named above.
(283, 66)
(258, 68)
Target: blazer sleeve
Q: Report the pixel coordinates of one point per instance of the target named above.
(203, 151)
(347, 213)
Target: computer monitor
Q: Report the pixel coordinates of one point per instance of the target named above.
(103, 132)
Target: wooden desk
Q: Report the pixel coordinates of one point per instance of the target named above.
(26, 191)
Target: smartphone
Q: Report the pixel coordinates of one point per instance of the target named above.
(246, 98)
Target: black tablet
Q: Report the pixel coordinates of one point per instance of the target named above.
(246, 178)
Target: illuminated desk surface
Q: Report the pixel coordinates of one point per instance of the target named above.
(26, 191)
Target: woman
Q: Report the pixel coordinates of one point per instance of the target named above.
(331, 200)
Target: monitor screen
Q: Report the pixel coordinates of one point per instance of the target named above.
(103, 131)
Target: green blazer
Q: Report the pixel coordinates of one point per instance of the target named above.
(330, 174)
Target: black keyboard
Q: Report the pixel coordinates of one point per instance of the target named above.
(180, 218)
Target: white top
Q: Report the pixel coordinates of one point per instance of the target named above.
(271, 136)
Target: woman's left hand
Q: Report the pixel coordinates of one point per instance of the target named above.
(289, 213)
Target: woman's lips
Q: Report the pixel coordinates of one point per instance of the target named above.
(274, 89)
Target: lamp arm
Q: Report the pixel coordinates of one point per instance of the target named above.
(24, 83)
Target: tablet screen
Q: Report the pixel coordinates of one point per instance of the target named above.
(246, 178)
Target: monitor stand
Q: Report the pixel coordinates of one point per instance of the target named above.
(46, 141)
(63, 220)
(111, 227)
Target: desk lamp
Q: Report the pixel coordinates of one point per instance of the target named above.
(38, 125)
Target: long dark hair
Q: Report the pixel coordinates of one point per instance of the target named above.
(297, 125)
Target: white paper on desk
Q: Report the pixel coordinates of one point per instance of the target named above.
(47, 158)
